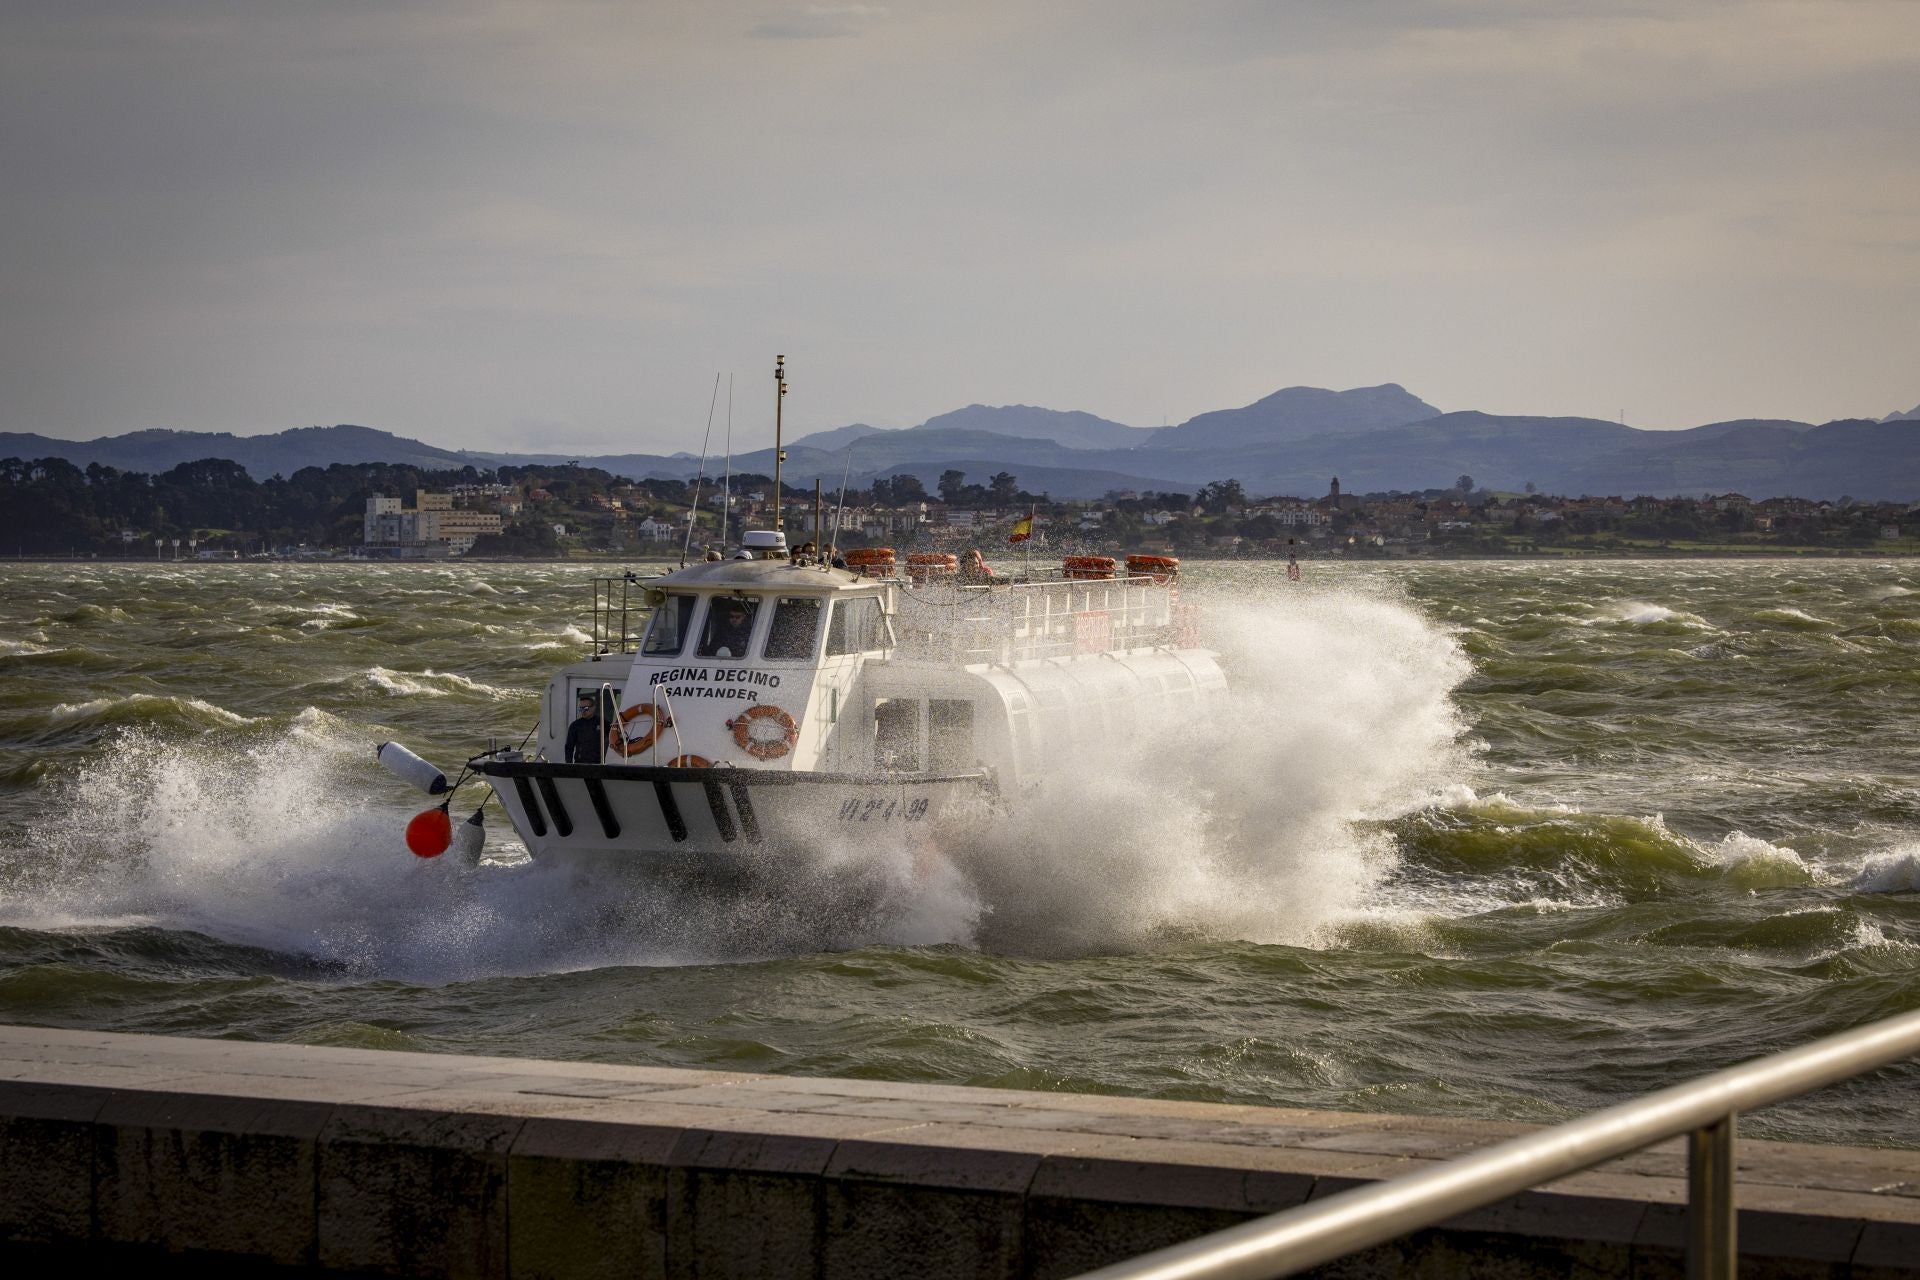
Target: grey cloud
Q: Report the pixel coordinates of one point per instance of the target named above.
(445, 218)
(820, 22)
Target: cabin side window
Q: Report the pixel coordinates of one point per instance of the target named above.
(667, 629)
(855, 626)
(949, 734)
(729, 626)
(896, 735)
(795, 629)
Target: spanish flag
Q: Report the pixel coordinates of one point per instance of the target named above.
(1022, 530)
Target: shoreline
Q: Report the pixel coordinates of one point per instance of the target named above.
(609, 558)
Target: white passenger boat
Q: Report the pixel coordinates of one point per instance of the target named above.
(765, 705)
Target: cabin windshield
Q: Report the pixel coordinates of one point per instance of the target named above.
(667, 631)
(729, 626)
(794, 632)
(856, 626)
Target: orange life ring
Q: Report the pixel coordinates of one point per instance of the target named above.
(869, 555)
(765, 748)
(620, 744)
(689, 762)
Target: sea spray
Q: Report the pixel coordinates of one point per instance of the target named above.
(1235, 821)
(1238, 820)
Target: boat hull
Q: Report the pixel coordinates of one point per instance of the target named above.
(658, 815)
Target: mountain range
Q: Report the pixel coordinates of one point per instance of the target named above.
(1291, 442)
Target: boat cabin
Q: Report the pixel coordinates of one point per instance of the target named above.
(766, 664)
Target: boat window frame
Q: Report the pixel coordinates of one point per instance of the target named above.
(879, 638)
(942, 739)
(686, 625)
(607, 693)
(917, 737)
(756, 603)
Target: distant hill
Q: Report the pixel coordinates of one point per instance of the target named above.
(837, 437)
(1073, 429)
(1296, 413)
(1060, 483)
(634, 466)
(1292, 442)
(281, 453)
(1909, 416)
(1497, 451)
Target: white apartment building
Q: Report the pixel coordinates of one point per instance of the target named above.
(434, 525)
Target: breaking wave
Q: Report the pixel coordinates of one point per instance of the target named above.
(1256, 821)
(432, 684)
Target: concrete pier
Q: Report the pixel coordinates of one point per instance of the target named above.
(220, 1157)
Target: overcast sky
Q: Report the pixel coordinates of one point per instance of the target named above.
(547, 226)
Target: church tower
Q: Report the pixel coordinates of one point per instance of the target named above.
(1334, 492)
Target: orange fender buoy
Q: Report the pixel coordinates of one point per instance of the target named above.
(430, 832)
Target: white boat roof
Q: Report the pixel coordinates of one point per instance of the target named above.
(761, 575)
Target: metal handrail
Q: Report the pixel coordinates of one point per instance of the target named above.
(1308, 1235)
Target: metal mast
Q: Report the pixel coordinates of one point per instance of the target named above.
(779, 454)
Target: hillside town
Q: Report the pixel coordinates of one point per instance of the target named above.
(212, 510)
(1220, 520)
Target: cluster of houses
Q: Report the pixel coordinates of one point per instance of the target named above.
(628, 516)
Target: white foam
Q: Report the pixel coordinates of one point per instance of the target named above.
(1239, 823)
(1755, 863)
(432, 684)
(1894, 871)
(1242, 823)
(1641, 613)
(1791, 616)
(69, 712)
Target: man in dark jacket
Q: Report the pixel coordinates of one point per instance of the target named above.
(584, 736)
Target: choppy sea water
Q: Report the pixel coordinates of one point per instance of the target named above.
(1498, 839)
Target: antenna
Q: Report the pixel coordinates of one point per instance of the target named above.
(779, 454)
(844, 473)
(693, 512)
(726, 485)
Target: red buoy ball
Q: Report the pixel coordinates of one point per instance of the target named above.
(430, 832)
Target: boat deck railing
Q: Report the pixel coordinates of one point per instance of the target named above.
(1704, 1110)
(619, 614)
(1048, 618)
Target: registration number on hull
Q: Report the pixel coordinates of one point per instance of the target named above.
(882, 809)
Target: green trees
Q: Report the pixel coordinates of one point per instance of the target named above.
(1217, 495)
(51, 507)
(899, 491)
